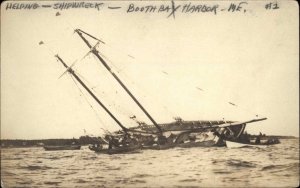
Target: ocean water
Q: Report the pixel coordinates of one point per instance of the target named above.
(273, 166)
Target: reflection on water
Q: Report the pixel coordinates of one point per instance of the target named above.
(276, 165)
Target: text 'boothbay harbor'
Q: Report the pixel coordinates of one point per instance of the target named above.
(180, 133)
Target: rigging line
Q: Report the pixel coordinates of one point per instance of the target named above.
(91, 36)
(82, 77)
(118, 49)
(154, 99)
(118, 107)
(99, 93)
(90, 52)
(82, 94)
(129, 80)
(99, 119)
(117, 69)
(120, 71)
(122, 111)
(109, 46)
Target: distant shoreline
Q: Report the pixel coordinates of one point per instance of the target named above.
(83, 140)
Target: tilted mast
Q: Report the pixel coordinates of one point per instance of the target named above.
(95, 52)
(71, 71)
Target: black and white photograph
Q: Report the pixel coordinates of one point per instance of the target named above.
(174, 93)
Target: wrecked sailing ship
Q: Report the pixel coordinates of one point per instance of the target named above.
(157, 136)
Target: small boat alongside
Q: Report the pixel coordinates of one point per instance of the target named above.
(117, 144)
(231, 144)
(64, 147)
(116, 150)
(261, 144)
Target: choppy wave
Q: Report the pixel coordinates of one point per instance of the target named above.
(52, 182)
(271, 167)
(35, 167)
(240, 163)
(180, 167)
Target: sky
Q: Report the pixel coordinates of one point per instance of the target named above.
(190, 66)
